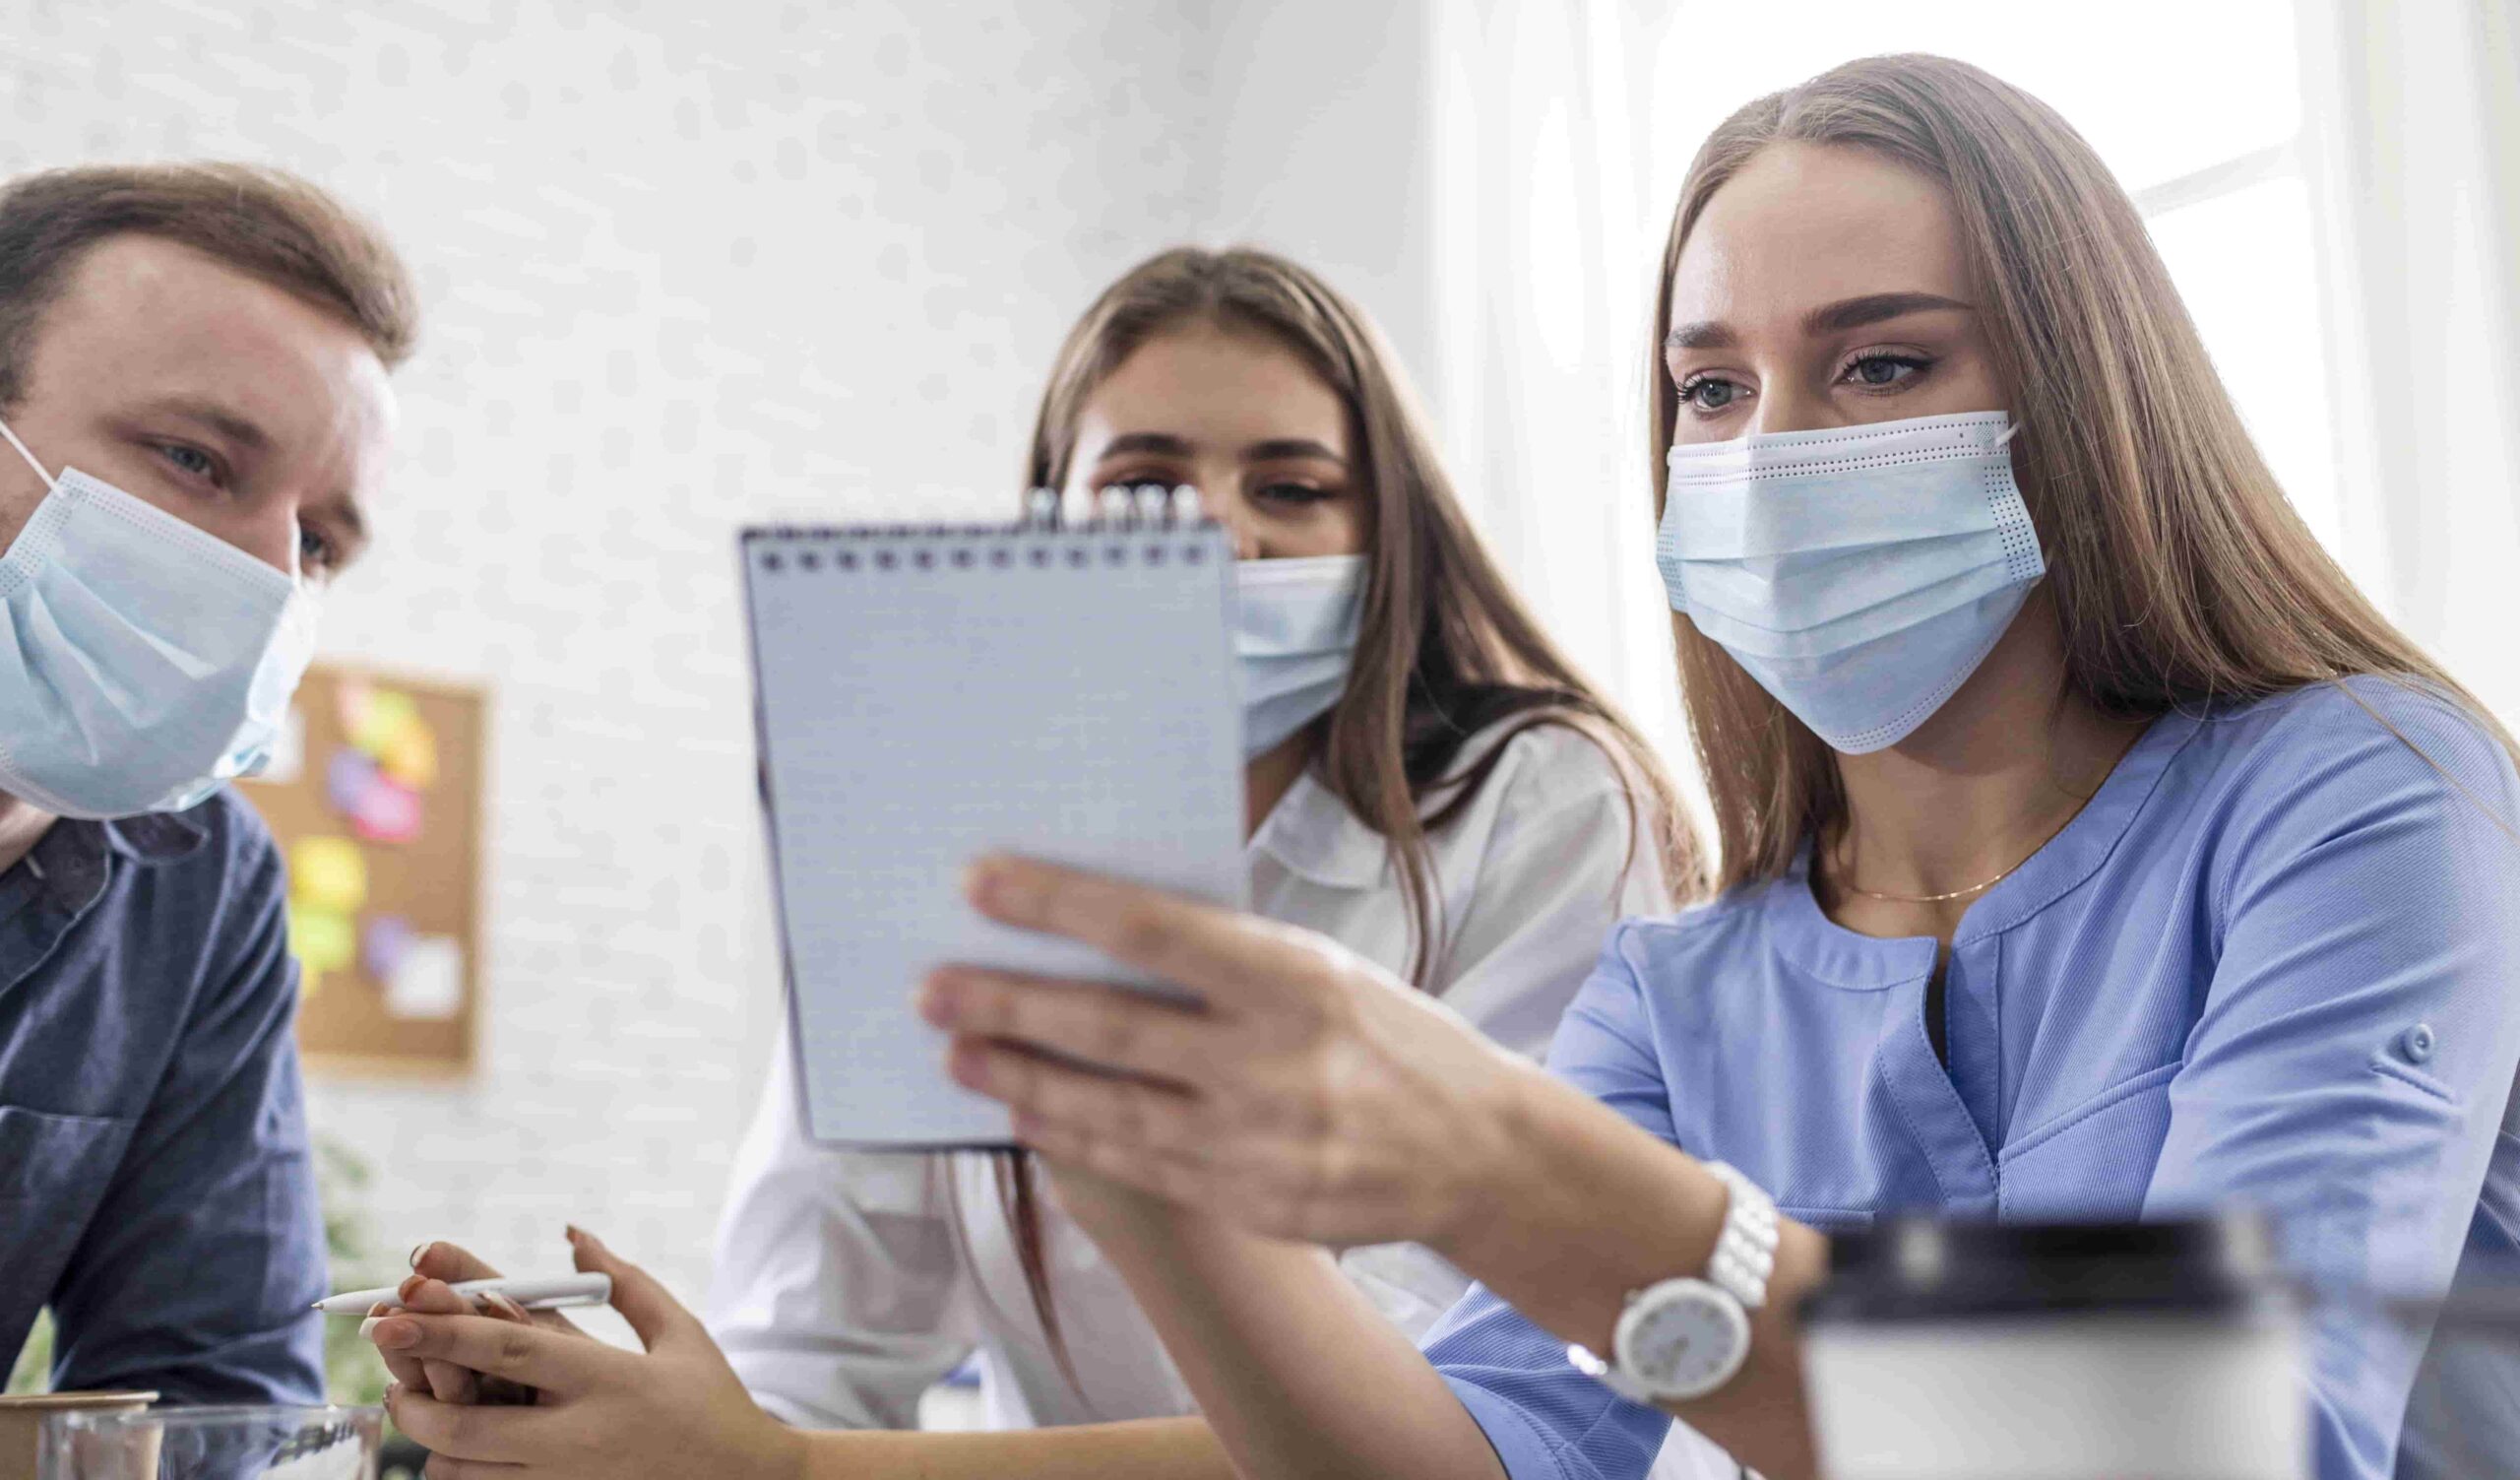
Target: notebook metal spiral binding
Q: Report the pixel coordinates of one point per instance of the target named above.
(1114, 510)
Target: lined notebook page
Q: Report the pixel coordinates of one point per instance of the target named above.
(928, 696)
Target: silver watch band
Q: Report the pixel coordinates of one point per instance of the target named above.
(1744, 1257)
(1745, 1250)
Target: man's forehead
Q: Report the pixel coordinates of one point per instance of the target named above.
(172, 293)
(161, 319)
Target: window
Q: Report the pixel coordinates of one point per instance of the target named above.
(2196, 109)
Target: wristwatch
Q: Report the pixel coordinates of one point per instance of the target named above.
(1684, 1338)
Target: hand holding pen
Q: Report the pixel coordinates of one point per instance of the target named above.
(448, 1280)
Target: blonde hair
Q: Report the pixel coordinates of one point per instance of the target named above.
(2179, 572)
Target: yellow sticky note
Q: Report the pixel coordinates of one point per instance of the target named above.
(322, 939)
(410, 757)
(390, 715)
(328, 874)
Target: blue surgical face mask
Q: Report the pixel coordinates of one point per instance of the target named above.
(145, 662)
(1295, 632)
(1859, 573)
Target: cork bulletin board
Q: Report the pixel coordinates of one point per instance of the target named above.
(375, 797)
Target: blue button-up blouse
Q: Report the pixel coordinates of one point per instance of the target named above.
(2275, 961)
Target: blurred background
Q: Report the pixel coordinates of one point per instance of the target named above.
(689, 267)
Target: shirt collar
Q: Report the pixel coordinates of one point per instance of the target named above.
(150, 837)
(1313, 834)
(1810, 939)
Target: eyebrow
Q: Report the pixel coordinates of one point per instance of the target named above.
(1829, 318)
(1274, 449)
(203, 412)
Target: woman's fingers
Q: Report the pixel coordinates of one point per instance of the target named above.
(450, 1262)
(444, 1382)
(1112, 1028)
(468, 1435)
(1130, 1113)
(640, 1297)
(407, 1370)
(552, 1361)
(1230, 960)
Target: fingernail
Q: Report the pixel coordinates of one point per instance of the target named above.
(411, 1285)
(968, 1064)
(981, 882)
(416, 1251)
(499, 1301)
(367, 1327)
(936, 999)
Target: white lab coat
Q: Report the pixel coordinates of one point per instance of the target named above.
(848, 1283)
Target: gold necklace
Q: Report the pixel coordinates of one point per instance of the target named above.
(1839, 869)
(1928, 898)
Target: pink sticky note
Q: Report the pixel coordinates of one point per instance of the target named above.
(387, 813)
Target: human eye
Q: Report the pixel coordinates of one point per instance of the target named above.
(317, 552)
(1291, 493)
(1137, 475)
(1883, 369)
(1708, 393)
(193, 463)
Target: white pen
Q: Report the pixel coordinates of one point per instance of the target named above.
(533, 1293)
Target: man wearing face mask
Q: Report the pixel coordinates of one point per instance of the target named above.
(193, 390)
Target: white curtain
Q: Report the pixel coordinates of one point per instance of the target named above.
(2412, 140)
(1546, 238)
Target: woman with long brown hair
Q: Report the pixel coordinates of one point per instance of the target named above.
(1429, 783)
(2089, 849)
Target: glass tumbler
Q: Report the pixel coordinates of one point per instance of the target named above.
(244, 1442)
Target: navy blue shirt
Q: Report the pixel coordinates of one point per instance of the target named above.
(156, 1188)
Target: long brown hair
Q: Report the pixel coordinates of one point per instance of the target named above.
(2180, 573)
(1445, 650)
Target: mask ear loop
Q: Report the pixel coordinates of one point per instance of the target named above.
(48, 478)
(2010, 433)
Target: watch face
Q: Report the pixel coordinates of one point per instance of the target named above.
(1684, 1338)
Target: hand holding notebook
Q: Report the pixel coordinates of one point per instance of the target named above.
(925, 696)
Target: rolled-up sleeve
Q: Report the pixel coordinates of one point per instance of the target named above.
(196, 1274)
(2353, 1066)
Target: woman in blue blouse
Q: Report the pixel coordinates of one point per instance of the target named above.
(2089, 849)
(2110, 862)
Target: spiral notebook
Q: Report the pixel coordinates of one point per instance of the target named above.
(923, 696)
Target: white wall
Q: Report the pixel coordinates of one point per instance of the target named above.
(682, 269)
